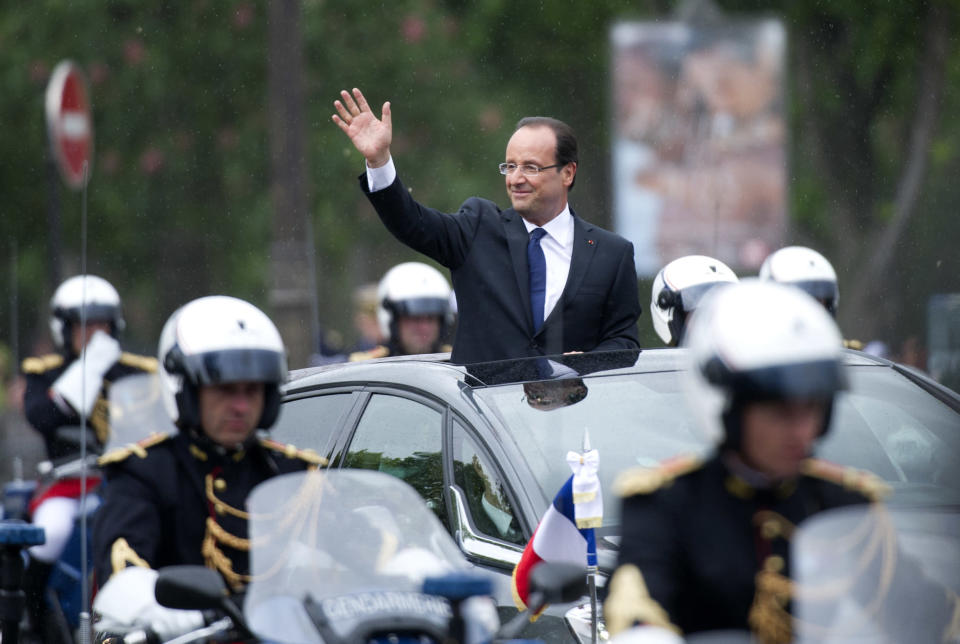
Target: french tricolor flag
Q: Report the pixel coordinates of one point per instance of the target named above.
(566, 531)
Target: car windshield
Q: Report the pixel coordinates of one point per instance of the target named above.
(885, 424)
(631, 419)
(890, 426)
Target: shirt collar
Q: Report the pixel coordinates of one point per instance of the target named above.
(560, 227)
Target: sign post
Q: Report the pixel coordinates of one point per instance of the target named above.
(70, 131)
(70, 123)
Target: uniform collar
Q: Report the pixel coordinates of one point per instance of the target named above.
(204, 449)
(744, 482)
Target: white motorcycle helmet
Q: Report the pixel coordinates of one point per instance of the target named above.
(755, 341)
(678, 289)
(804, 268)
(412, 288)
(79, 295)
(219, 339)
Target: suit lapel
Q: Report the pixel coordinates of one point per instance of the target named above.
(517, 239)
(584, 247)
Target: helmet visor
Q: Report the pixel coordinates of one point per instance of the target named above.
(236, 365)
(823, 290)
(690, 297)
(94, 312)
(422, 306)
(802, 380)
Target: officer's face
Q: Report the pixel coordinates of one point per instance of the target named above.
(79, 339)
(538, 198)
(778, 435)
(418, 333)
(229, 412)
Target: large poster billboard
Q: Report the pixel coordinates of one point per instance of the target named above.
(699, 136)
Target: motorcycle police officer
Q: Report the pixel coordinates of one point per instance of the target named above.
(414, 312)
(179, 499)
(809, 271)
(706, 543)
(85, 320)
(678, 289)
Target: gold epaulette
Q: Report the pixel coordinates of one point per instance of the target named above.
(308, 455)
(853, 344)
(866, 483)
(41, 364)
(144, 363)
(139, 448)
(644, 480)
(379, 351)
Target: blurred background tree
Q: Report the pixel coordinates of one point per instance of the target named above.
(180, 202)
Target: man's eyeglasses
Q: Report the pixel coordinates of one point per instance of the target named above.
(528, 169)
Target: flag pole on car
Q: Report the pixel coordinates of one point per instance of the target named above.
(566, 532)
(592, 545)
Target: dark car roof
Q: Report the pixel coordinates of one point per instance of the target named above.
(427, 369)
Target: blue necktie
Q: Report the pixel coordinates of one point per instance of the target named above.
(538, 276)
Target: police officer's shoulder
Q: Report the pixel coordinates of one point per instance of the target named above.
(138, 449)
(143, 363)
(379, 351)
(41, 364)
(862, 482)
(292, 452)
(646, 480)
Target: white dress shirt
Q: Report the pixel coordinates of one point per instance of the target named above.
(557, 244)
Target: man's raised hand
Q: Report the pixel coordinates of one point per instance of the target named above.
(369, 135)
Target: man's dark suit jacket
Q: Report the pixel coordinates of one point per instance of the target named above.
(485, 249)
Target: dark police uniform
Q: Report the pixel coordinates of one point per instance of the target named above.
(702, 549)
(169, 501)
(46, 416)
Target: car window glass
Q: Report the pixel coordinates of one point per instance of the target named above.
(632, 420)
(893, 428)
(311, 422)
(403, 438)
(486, 497)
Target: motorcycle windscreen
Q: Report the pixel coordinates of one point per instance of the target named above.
(869, 573)
(137, 410)
(340, 543)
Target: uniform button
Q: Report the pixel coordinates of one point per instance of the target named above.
(218, 507)
(220, 485)
(774, 563)
(770, 529)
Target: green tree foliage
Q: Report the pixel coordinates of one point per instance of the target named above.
(179, 201)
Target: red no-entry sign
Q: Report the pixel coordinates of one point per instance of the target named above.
(70, 122)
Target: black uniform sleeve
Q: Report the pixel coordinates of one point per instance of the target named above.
(651, 544)
(40, 409)
(127, 528)
(645, 586)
